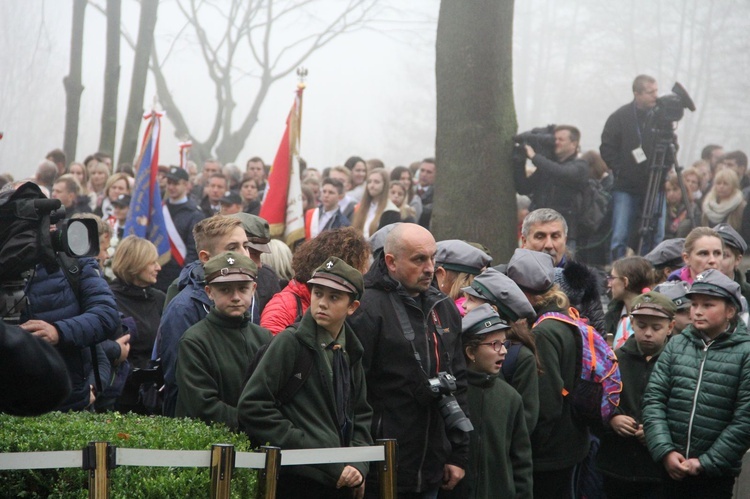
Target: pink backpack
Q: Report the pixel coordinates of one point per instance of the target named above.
(596, 392)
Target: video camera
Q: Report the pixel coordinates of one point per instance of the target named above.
(541, 139)
(671, 108)
(27, 238)
(443, 386)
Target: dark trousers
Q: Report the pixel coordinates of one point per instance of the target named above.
(557, 484)
(620, 489)
(292, 486)
(699, 487)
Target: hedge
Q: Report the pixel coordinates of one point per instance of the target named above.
(73, 431)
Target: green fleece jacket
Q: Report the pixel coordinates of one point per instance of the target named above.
(308, 421)
(500, 450)
(624, 458)
(212, 358)
(697, 401)
(559, 441)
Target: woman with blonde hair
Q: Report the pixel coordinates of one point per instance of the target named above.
(398, 196)
(98, 173)
(724, 203)
(703, 249)
(375, 210)
(117, 185)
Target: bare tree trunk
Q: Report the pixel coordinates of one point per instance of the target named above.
(143, 47)
(111, 78)
(72, 82)
(476, 119)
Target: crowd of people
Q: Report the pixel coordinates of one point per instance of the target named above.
(370, 328)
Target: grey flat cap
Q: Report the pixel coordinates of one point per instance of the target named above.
(731, 237)
(713, 283)
(533, 271)
(460, 256)
(677, 292)
(501, 291)
(482, 320)
(667, 253)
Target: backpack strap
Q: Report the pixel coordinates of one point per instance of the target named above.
(299, 309)
(300, 372)
(511, 358)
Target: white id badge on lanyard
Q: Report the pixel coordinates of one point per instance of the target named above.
(639, 155)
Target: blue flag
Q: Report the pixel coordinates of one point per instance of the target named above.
(145, 218)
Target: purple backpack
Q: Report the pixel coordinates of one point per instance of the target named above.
(596, 392)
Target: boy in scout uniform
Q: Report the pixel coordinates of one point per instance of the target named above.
(330, 409)
(213, 354)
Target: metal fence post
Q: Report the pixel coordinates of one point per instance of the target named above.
(222, 463)
(387, 469)
(98, 459)
(269, 476)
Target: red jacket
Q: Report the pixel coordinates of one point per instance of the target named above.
(281, 311)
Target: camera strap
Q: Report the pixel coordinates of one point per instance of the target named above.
(410, 335)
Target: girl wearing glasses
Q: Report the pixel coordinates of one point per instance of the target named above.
(629, 277)
(499, 451)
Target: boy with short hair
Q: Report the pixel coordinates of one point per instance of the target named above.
(214, 353)
(623, 457)
(328, 215)
(330, 409)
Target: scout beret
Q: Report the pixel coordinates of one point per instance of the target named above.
(257, 230)
(460, 256)
(482, 320)
(654, 304)
(533, 271)
(501, 291)
(667, 253)
(713, 283)
(675, 291)
(731, 237)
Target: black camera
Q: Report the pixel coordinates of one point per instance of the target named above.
(28, 237)
(541, 139)
(671, 107)
(443, 386)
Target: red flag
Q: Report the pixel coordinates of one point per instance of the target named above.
(282, 206)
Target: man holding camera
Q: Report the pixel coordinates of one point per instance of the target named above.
(557, 182)
(410, 333)
(625, 139)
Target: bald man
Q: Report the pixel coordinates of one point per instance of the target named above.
(410, 332)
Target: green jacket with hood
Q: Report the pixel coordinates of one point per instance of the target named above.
(697, 401)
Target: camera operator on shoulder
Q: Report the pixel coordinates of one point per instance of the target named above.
(559, 176)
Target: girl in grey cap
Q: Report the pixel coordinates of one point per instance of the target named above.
(696, 408)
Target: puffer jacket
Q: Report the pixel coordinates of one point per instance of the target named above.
(80, 325)
(282, 311)
(403, 406)
(697, 401)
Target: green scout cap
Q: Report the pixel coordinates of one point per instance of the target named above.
(257, 230)
(654, 304)
(230, 267)
(335, 273)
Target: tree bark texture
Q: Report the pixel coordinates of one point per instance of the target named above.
(474, 193)
(111, 78)
(72, 82)
(143, 47)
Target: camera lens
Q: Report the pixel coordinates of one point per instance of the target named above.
(452, 414)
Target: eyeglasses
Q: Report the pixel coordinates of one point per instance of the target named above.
(611, 277)
(496, 345)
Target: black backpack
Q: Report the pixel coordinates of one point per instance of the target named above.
(595, 206)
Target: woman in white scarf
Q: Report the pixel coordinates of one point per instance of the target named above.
(724, 203)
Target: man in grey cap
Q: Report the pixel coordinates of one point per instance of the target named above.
(546, 230)
(180, 216)
(410, 332)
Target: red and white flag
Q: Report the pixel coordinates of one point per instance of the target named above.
(282, 205)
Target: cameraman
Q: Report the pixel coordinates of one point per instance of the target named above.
(554, 184)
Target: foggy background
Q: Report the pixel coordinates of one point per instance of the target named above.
(371, 93)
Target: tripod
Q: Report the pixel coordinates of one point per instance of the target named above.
(662, 160)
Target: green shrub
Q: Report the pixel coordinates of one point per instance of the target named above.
(73, 431)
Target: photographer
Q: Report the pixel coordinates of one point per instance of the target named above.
(554, 183)
(65, 300)
(410, 333)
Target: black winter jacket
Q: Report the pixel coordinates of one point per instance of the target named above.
(403, 407)
(145, 306)
(619, 138)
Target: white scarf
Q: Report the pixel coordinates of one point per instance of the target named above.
(718, 212)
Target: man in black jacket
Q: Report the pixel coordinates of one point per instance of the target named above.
(556, 183)
(181, 215)
(410, 332)
(626, 140)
